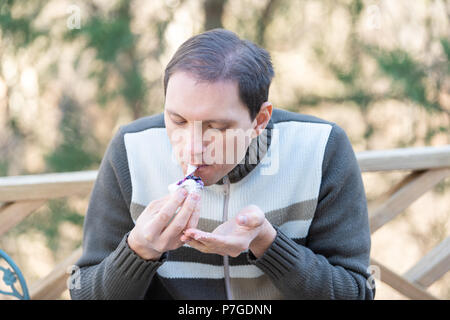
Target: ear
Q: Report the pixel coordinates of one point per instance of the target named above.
(262, 119)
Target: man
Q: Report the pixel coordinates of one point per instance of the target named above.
(286, 218)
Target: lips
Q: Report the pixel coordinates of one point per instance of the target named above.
(203, 169)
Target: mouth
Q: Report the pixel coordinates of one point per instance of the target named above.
(202, 167)
(191, 169)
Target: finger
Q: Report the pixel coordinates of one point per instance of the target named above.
(207, 238)
(193, 221)
(168, 210)
(185, 239)
(207, 248)
(199, 246)
(156, 205)
(152, 208)
(195, 233)
(212, 243)
(178, 224)
(250, 217)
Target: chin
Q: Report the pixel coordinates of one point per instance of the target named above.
(210, 182)
(209, 179)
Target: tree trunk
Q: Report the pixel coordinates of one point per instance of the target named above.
(213, 13)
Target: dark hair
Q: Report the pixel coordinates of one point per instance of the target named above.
(220, 54)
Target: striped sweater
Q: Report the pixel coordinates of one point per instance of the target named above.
(303, 174)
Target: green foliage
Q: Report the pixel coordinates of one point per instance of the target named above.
(431, 132)
(115, 44)
(407, 75)
(445, 43)
(134, 88)
(3, 168)
(442, 187)
(18, 30)
(355, 8)
(70, 156)
(73, 153)
(411, 79)
(369, 131)
(48, 222)
(109, 37)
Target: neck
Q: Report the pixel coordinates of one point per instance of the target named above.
(255, 153)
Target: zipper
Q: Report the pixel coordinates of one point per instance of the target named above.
(226, 264)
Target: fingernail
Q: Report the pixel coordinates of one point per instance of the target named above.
(182, 193)
(195, 196)
(242, 219)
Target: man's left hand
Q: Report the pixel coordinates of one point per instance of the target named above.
(248, 230)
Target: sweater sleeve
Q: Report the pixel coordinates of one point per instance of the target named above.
(334, 260)
(108, 267)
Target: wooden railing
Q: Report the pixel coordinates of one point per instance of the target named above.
(426, 167)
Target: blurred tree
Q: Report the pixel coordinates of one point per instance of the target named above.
(412, 80)
(78, 149)
(111, 37)
(120, 59)
(126, 64)
(264, 20)
(17, 32)
(213, 11)
(48, 221)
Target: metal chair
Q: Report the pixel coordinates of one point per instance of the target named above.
(10, 277)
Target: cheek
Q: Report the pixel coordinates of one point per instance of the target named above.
(177, 141)
(235, 148)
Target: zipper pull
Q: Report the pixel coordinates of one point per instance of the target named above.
(226, 183)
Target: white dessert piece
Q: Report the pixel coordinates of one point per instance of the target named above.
(191, 169)
(189, 184)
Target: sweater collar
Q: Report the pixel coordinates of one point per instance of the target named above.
(255, 153)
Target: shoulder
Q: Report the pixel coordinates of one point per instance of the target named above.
(337, 135)
(338, 148)
(144, 123)
(280, 115)
(155, 121)
(116, 155)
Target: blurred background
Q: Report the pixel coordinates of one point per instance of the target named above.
(72, 72)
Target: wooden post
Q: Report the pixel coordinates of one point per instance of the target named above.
(431, 267)
(54, 284)
(402, 285)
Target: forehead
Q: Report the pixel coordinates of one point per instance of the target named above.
(194, 99)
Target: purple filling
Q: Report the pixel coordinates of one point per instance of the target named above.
(198, 180)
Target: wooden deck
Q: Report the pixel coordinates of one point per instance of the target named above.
(425, 167)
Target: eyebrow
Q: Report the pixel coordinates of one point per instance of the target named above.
(223, 121)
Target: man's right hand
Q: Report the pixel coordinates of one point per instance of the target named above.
(155, 232)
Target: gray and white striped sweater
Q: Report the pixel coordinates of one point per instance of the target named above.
(307, 182)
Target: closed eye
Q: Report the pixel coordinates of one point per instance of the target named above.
(179, 123)
(182, 122)
(220, 129)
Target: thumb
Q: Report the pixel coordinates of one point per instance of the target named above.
(250, 217)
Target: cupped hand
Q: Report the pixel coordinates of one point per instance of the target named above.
(230, 238)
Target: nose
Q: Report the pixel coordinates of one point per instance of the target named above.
(194, 147)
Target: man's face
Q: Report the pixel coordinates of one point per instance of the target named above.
(207, 124)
